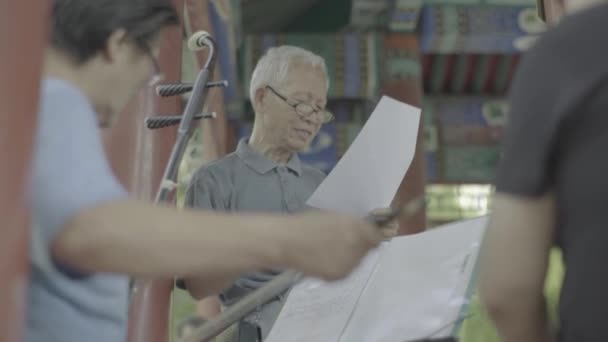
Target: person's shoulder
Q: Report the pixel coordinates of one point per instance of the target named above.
(220, 165)
(313, 173)
(571, 45)
(56, 92)
(581, 27)
(217, 170)
(64, 105)
(563, 66)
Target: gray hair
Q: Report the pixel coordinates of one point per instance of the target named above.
(272, 68)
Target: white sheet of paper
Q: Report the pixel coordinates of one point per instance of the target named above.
(411, 288)
(368, 175)
(318, 311)
(419, 286)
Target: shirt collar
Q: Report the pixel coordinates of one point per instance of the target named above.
(260, 163)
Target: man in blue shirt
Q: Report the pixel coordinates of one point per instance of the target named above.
(88, 236)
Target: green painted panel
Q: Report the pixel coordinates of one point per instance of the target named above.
(502, 74)
(324, 16)
(470, 164)
(459, 74)
(482, 2)
(438, 73)
(403, 67)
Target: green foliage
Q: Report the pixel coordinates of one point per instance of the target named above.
(182, 307)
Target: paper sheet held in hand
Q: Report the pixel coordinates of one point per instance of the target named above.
(370, 171)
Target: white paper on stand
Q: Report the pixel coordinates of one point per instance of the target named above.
(369, 173)
(316, 310)
(411, 288)
(419, 286)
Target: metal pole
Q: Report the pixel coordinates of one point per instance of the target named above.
(150, 307)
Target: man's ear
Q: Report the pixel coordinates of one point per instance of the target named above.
(116, 46)
(258, 102)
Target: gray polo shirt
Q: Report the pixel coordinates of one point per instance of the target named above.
(245, 180)
(70, 173)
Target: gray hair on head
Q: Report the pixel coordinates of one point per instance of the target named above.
(272, 68)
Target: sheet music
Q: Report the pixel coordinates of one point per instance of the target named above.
(419, 286)
(319, 311)
(368, 175)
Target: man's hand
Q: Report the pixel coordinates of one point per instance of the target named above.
(390, 230)
(328, 246)
(208, 285)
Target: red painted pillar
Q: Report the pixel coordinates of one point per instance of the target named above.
(139, 157)
(407, 88)
(23, 37)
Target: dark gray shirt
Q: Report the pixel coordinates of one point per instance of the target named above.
(556, 141)
(245, 181)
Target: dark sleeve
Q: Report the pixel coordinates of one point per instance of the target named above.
(527, 164)
(206, 191)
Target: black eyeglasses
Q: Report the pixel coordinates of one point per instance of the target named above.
(304, 109)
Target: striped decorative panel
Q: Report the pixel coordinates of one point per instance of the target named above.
(369, 14)
(401, 58)
(395, 15)
(468, 73)
(462, 137)
(222, 17)
(530, 3)
(350, 117)
(486, 29)
(470, 164)
(404, 15)
(352, 59)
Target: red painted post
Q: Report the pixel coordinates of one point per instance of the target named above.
(408, 90)
(23, 38)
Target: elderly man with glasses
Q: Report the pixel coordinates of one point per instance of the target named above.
(288, 92)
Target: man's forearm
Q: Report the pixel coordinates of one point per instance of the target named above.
(141, 239)
(513, 265)
(521, 323)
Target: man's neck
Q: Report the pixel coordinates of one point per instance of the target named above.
(270, 151)
(58, 66)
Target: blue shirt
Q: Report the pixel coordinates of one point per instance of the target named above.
(70, 173)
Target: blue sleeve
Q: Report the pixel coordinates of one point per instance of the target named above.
(70, 172)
